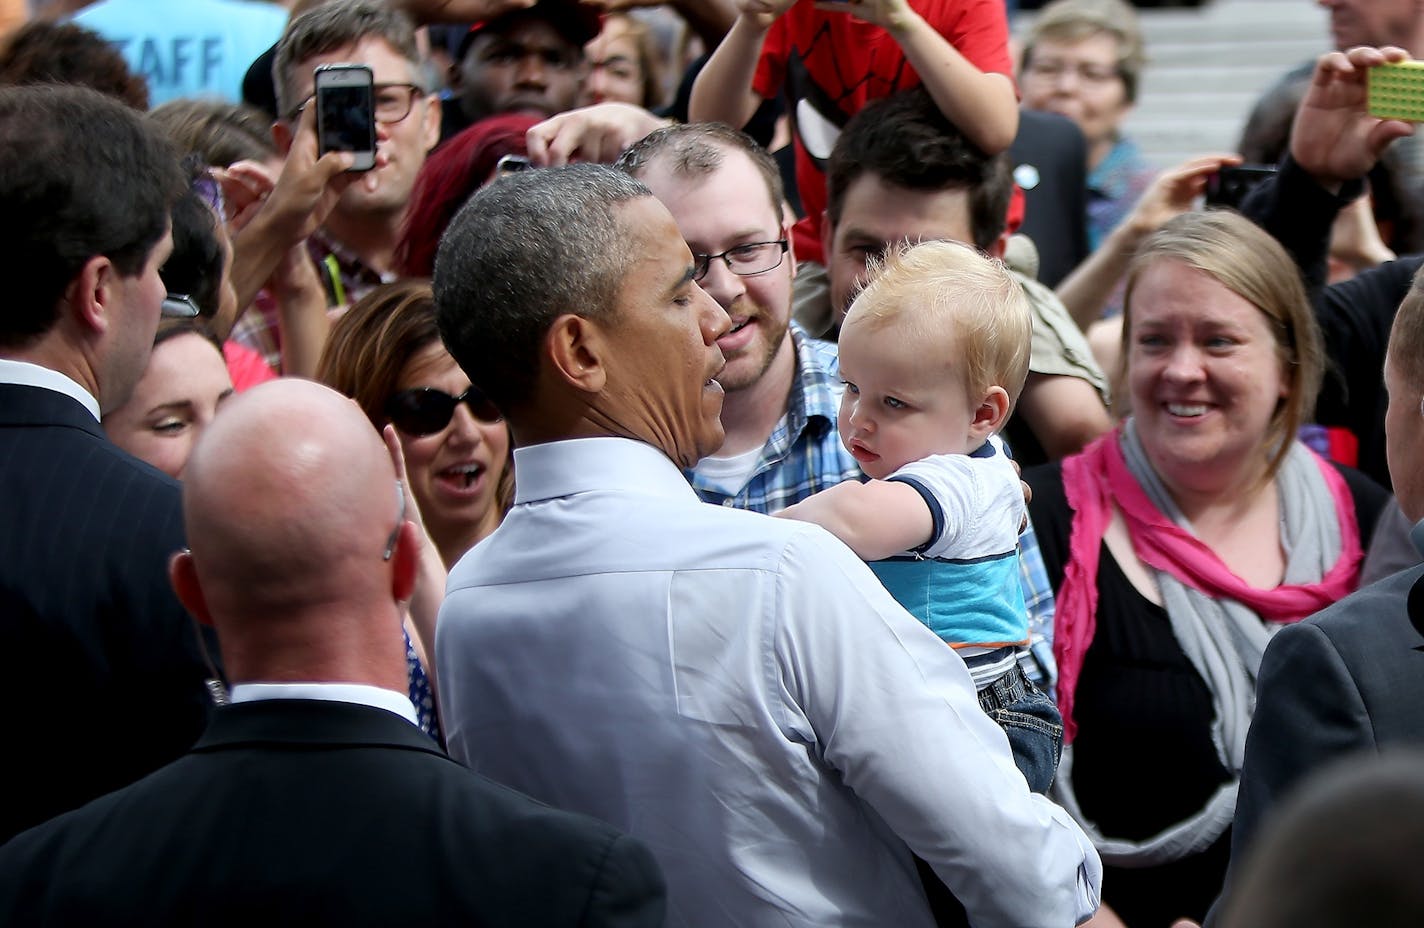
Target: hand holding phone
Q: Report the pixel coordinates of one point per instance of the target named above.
(346, 113)
(1230, 184)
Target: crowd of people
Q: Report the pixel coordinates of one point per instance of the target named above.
(697, 476)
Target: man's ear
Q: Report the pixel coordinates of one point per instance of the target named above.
(828, 235)
(282, 136)
(791, 246)
(997, 248)
(575, 347)
(91, 294)
(405, 561)
(990, 414)
(184, 578)
(433, 116)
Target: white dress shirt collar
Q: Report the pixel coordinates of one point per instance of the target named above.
(26, 374)
(582, 465)
(358, 693)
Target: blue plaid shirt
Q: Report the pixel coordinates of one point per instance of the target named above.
(804, 455)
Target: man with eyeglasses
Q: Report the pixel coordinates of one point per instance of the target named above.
(101, 677)
(782, 387)
(313, 798)
(355, 247)
(526, 60)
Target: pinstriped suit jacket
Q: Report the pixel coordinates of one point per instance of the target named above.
(101, 679)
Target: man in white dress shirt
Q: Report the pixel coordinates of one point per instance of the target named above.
(737, 691)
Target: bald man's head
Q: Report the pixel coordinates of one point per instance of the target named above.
(290, 503)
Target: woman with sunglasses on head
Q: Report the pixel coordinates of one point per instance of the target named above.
(386, 354)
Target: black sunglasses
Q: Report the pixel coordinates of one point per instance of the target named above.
(425, 411)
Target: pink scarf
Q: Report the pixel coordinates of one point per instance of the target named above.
(1097, 478)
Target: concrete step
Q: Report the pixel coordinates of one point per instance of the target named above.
(1208, 66)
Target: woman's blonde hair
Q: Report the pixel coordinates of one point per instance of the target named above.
(1244, 259)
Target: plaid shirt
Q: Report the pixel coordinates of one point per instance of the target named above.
(804, 455)
(344, 277)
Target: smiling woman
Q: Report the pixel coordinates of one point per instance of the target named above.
(1176, 544)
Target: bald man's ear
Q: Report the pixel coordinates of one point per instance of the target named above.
(405, 562)
(575, 347)
(184, 578)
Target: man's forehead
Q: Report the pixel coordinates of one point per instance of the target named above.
(386, 63)
(743, 202)
(875, 210)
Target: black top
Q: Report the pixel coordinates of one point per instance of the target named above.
(1143, 758)
(1355, 315)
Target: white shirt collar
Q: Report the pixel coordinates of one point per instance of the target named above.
(358, 693)
(33, 375)
(581, 465)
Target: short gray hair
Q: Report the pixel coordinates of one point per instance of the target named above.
(523, 251)
(334, 25)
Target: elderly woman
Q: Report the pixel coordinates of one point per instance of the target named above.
(1177, 543)
(1082, 59)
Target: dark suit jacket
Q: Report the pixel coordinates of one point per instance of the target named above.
(1050, 150)
(1349, 678)
(101, 680)
(297, 812)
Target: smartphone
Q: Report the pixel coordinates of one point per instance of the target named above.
(346, 112)
(1396, 91)
(1229, 186)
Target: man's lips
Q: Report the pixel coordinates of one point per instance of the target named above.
(738, 336)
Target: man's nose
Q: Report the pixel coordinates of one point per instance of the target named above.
(721, 284)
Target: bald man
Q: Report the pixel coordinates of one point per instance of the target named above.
(313, 799)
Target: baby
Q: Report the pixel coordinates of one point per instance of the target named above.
(934, 352)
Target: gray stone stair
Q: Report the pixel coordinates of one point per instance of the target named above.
(1207, 66)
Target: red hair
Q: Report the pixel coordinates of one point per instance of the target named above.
(452, 172)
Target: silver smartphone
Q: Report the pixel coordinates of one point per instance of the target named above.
(346, 112)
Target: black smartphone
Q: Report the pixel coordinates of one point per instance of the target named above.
(346, 112)
(1229, 186)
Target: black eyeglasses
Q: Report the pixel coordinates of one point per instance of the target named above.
(745, 260)
(392, 102)
(425, 411)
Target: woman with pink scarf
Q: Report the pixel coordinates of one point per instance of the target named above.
(1177, 544)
